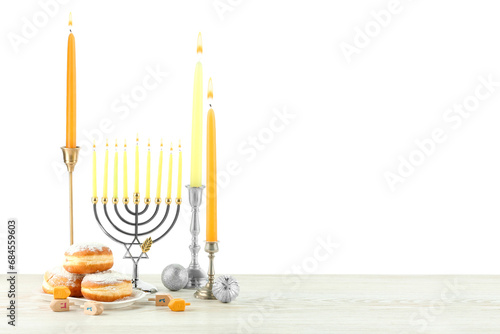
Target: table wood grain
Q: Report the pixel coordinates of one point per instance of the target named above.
(288, 304)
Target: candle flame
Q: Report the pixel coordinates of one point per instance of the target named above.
(125, 143)
(106, 143)
(179, 143)
(199, 47)
(171, 147)
(149, 142)
(116, 142)
(137, 138)
(210, 94)
(70, 23)
(161, 142)
(94, 143)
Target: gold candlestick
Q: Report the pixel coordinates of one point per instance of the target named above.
(70, 156)
(211, 247)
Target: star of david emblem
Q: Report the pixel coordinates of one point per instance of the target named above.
(128, 254)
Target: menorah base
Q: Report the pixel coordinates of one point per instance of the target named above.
(197, 278)
(144, 286)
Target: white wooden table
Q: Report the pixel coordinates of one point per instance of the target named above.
(288, 304)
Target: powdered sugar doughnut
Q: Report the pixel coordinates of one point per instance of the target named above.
(88, 258)
(57, 276)
(106, 286)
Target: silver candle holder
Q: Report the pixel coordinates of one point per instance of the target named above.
(196, 276)
(211, 247)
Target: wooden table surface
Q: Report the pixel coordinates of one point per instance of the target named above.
(288, 304)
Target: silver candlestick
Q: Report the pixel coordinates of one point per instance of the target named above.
(196, 276)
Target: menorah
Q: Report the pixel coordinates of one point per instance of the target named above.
(135, 213)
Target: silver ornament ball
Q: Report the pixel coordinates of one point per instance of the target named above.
(226, 288)
(174, 277)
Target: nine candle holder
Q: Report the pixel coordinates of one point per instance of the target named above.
(136, 214)
(137, 283)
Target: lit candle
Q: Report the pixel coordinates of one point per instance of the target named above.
(136, 189)
(169, 187)
(148, 172)
(211, 172)
(105, 181)
(160, 166)
(71, 91)
(115, 179)
(179, 173)
(125, 183)
(196, 135)
(94, 176)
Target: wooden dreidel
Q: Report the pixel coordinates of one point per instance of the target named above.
(162, 299)
(178, 305)
(60, 305)
(92, 308)
(61, 292)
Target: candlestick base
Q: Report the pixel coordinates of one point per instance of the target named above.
(205, 292)
(211, 247)
(197, 278)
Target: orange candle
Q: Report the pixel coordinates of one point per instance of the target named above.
(71, 91)
(211, 172)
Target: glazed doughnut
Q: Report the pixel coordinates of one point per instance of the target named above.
(59, 277)
(107, 286)
(88, 258)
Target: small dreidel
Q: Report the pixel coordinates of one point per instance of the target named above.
(162, 299)
(92, 308)
(178, 304)
(61, 292)
(60, 305)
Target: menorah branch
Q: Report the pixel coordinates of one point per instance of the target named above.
(94, 202)
(121, 218)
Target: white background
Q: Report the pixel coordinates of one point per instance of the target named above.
(319, 176)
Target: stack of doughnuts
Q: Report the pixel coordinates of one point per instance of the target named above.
(85, 272)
